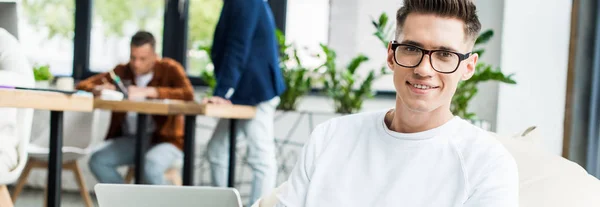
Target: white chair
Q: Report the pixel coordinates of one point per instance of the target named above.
(79, 132)
(24, 119)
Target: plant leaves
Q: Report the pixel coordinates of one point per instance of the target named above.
(383, 19)
(356, 62)
(42, 73)
(484, 37)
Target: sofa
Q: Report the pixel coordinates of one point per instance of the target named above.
(549, 180)
(545, 179)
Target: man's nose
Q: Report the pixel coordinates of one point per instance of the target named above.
(425, 68)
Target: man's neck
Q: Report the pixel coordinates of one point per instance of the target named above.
(404, 120)
(146, 73)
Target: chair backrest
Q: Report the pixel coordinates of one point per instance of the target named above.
(80, 129)
(24, 120)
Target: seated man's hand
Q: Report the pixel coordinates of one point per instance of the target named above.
(215, 100)
(98, 89)
(135, 92)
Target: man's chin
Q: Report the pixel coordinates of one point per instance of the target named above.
(420, 109)
(418, 105)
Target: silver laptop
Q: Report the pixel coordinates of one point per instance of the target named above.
(128, 195)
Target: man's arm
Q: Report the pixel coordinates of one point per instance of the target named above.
(294, 195)
(180, 88)
(90, 83)
(101, 79)
(241, 24)
(498, 187)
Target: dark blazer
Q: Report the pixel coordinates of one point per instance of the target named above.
(170, 81)
(245, 53)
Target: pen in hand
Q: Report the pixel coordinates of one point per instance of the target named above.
(119, 83)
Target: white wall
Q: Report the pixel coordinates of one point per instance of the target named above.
(368, 44)
(535, 46)
(8, 17)
(307, 29)
(343, 28)
(351, 33)
(485, 103)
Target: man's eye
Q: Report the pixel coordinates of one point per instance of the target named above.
(410, 49)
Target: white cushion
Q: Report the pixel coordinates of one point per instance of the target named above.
(549, 180)
(8, 140)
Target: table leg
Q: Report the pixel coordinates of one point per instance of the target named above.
(141, 144)
(55, 160)
(232, 144)
(189, 150)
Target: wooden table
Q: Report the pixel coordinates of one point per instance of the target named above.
(177, 107)
(57, 103)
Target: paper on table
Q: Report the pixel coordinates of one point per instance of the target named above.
(111, 95)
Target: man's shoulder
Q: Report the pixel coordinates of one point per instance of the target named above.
(169, 63)
(342, 129)
(471, 137)
(121, 69)
(486, 162)
(478, 147)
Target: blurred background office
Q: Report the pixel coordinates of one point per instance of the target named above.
(543, 61)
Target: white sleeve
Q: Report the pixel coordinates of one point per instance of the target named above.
(294, 195)
(498, 187)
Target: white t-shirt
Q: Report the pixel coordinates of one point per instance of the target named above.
(131, 122)
(356, 160)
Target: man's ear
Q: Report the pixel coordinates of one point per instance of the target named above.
(390, 56)
(471, 65)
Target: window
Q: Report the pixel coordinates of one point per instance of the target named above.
(46, 33)
(307, 31)
(113, 24)
(203, 18)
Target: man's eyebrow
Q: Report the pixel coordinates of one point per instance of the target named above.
(446, 48)
(415, 43)
(410, 42)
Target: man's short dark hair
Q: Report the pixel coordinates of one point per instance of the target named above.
(464, 10)
(141, 38)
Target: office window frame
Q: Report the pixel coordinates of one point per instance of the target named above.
(175, 34)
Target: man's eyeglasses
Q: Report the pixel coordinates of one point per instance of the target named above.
(442, 61)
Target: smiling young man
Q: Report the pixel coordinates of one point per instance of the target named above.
(419, 153)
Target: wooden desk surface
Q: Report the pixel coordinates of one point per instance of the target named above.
(172, 107)
(54, 101)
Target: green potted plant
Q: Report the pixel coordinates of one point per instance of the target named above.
(466, 90)
(296, 76)
(42, 76)
(484, 72)
(345, 86)
(207, 74)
